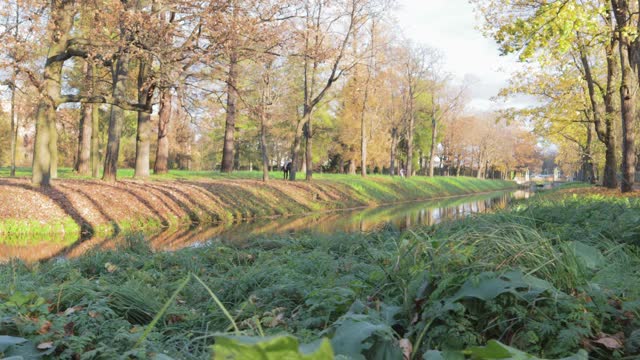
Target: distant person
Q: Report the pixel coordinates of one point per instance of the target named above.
(401, 172)
(286, 169)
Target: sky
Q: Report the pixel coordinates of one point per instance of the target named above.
(451, 27)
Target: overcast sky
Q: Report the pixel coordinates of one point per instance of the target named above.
(451, 27)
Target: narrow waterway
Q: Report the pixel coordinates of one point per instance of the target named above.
(397, 216)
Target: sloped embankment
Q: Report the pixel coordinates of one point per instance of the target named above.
(87, 207)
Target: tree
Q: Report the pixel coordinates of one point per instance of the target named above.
(554, 29)
(83, 156)
(627, 18)
(321, 18)
(45, 149)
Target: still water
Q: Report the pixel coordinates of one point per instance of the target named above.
(399, 216)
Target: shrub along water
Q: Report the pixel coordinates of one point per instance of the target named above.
(552, 277)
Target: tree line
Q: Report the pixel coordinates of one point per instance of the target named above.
(150, 84)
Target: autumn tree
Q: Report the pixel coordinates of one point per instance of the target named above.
(323, 35)
(595, 32)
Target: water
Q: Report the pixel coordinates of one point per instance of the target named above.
(399, 216)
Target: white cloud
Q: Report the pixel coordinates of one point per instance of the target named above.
(451, 26)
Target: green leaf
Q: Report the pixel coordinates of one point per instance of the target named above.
(588, 255)
(269, 348)
(443, 355)
(20, 298)
(496, 350)
(25, 350)
(493, 350)
(162, 357)
(6, 341)
(365, 336)
(490, 285)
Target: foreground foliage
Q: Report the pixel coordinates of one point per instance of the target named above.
(556, 277)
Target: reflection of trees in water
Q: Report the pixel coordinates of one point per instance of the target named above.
(399, 216)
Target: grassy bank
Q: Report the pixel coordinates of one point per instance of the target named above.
(552, 277)
(74, 207)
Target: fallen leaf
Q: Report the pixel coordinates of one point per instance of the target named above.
(609, 342)
(71, 310)
(406, 347)
(110, 267)
(45, 345)
(45, 328)
(68, 328)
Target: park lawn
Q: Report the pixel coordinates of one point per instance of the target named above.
(554, 276)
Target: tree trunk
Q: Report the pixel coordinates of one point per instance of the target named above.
(41, 173)
(410, 141)
(480, 174)
(433, 142)
(14, 120)
(14, 127)
(42, 154)
(116, 119)
(53, 145)
(263, 146)
(394, 145)
(605, 127)
(352, 167)
(628, 90)
(143, 145)
(83, 156)
(587, 158)
(143, 134)
(95, 140)
(264, 115)
(230, 121)
(84, 140)
(161, 166)
(623, 13)
(95, 136)
(297, 142)
(363, 140)
(236, 156)
(45, 148)
(309, 150)
(363, 127)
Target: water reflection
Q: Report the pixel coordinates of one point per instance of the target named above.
(399, 216)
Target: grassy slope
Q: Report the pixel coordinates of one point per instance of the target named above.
(183, 197)
(582, 251)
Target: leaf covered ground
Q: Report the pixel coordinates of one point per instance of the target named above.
(554, 277)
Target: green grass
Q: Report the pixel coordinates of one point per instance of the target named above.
(127, 173)
(548, 276)
(67, 173)
(27, 231)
